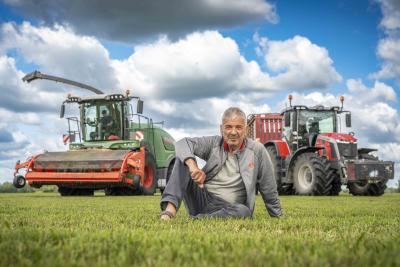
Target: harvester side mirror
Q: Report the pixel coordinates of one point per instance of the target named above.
(348, 120)
(287, 119)
(139, 107)
(62, 111)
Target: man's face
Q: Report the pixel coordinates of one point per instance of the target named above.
(234, 131)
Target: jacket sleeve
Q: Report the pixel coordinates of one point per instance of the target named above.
(197, 146)
(267, 184)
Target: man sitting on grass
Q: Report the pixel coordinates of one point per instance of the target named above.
(226, 186)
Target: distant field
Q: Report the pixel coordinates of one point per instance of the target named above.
(43, 229)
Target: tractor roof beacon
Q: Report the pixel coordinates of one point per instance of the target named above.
(111, 148)
(311, 155)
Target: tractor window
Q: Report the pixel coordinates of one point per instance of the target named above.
(102, 121)
(316, 122)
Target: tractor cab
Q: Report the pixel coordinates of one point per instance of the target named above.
(302, 124)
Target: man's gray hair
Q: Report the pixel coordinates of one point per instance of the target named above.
(232, 113)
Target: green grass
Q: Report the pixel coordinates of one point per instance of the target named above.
(43, 229)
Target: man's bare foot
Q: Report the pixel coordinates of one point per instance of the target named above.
(169, 213)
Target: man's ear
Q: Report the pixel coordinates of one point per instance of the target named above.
(220, 129)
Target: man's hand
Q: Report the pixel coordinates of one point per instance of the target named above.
(196, 173)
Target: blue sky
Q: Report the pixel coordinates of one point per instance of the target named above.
(189, 60)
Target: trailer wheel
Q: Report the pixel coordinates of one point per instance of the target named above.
(366, 189)
(310, 175)
(150, 180)
(283, 189)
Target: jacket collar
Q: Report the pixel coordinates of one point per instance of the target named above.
(241, 148)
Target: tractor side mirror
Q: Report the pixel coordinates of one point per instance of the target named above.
(287, 119)
(139, 106)
(348, 120)
(62, 111)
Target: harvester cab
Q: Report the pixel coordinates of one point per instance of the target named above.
(312, 155)
(110, 147)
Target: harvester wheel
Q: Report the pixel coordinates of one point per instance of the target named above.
(83, 192)
(150, 180)
(19, 181)
(367, 189)
(283, 189)
(310, 175)
(65, 191)
(119, 191)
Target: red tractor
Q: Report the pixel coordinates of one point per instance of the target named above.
(311, 157)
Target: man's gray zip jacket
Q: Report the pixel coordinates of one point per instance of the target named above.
(255, 167)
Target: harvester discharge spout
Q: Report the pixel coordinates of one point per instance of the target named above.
(38, 75)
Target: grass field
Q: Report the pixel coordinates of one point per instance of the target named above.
(43, 229)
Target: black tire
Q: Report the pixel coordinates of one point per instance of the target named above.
(336, 183)
(65, 191)
(68, 191)
(367, 189)
(283, 189)
(310, 175)
(119, 191)
(150, 179)
(19, 181)
(83, 192)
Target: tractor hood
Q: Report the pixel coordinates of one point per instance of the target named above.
(341, 137)
(90, 160)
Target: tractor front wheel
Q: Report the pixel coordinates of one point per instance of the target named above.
(150, 180)
(367, 189)
(310, 175)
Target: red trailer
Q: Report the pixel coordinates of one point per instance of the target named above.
(265, 127)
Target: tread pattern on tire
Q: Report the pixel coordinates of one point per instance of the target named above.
(320, 167)
(376, 189)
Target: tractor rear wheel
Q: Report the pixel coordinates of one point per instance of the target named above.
(150, 180)
(367, 189)
(283, 189)
(310, 175)
(336, 183)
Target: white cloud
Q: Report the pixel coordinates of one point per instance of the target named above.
(389, 47)
(60, 51)
(20, 97)
(391, 14)
(201, 65)
(389, 52)
(300, 64)
(380, 91)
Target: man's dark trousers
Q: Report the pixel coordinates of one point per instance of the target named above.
(198, 201)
